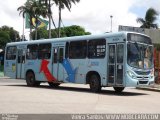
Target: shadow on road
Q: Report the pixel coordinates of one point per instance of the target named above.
(87, 90)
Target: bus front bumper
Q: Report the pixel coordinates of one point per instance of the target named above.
(130, 82)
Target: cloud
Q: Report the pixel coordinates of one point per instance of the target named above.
(144, 5)
(10, 15)
(93, 15)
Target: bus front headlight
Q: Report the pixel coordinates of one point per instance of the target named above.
(131, 74)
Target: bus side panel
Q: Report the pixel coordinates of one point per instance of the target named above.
(44, 70)
(10, 68)
(35, 66)
(78, 71)
(99, 66)
(81, 67)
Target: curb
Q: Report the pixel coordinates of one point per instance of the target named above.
(148, 89)
(3, 77)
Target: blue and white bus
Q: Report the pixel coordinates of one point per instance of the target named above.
(118, 60)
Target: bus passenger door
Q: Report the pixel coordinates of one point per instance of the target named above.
(115, 64)
(111, 64)
(57, 67)
(119, 64)
(20, 63)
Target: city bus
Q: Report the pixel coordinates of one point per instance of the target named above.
(118, 60)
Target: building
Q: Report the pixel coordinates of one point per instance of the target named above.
(153, 33)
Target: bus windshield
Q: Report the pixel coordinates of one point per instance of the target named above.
(140, 55)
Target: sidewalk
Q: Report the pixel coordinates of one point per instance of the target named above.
(155, 87)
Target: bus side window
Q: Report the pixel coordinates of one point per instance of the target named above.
(78, 49)
(23, 59)
(55, 55)
(111, 54)
(44, 51)
(11, 53)
(60, 55)
(19, 56)
(32, 51)
(67, 50)
(97, 48)
(120, 49)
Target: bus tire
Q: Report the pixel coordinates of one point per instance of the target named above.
(51, 84)
(30, 80)
(94, 82)
(118, 89)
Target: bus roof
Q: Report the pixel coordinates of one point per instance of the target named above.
(64, 39)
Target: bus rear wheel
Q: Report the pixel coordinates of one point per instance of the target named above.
(94, 83)
(118, 89)
(30, 80)
(51, 84)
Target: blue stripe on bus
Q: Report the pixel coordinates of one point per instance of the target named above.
(70, 71)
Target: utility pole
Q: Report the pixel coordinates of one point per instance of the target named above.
(49, 12)
(111, 22)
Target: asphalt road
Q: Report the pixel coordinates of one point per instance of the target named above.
(17, 98)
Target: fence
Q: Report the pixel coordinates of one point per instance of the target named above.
(157, 66)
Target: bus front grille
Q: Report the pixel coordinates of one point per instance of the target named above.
(140, 78)
(143, 82)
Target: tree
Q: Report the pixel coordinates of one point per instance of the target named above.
(4, 39)
(42, 33)
(38, 10)
(61, 5)
(34, 9)
(8, 34)
(13, 34)
(149, 20)
(73, 30)
(48, 4)
(27, 9)
(69, 31)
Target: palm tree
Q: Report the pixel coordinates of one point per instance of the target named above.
(48, 5)
(34, 9)
(38, 10)
(61, 5)
(27, 9)
(149, 20)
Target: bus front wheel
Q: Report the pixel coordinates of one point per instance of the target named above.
(118, 89)
(30, 80)
(94, 83)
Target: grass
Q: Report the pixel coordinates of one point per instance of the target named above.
(1, 71)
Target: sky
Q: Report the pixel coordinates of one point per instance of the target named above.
(93, 15)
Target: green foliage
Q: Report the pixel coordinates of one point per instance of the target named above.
(34, 9)
(42, 33)
(8, 34)
(150, 18)
(73, 30)
(157, 46)
(1, 68)
(13, 34)
(4, 38)
(61, 3)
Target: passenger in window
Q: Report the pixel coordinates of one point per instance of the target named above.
(34, 55)
(132, 58)
(147, 62)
